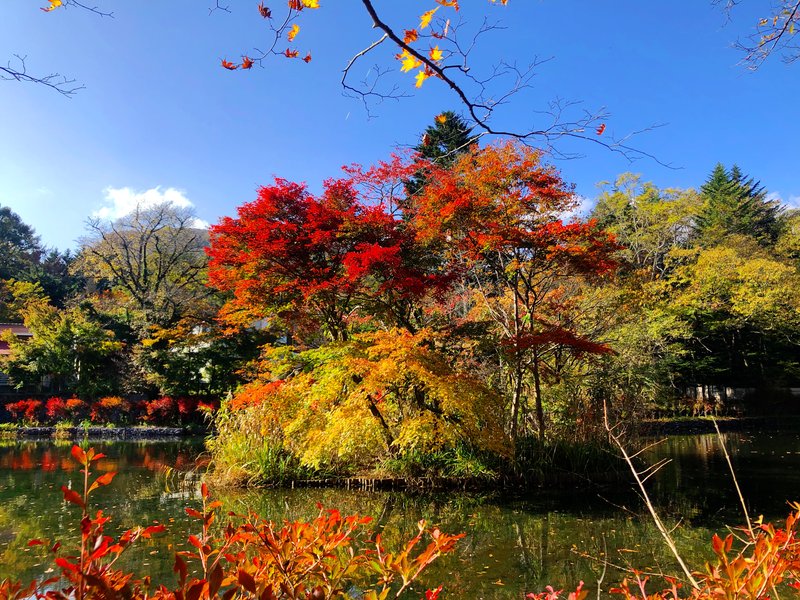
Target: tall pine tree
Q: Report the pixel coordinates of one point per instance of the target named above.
(736, 205)
(442, 143)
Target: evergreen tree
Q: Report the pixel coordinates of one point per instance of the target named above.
(442, 143)
(736, 205)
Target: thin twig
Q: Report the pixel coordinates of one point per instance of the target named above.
(646, 498)
(733, 476)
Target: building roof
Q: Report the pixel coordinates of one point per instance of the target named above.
(18, 329)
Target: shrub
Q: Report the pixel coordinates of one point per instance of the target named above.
(111, 409)
(76, 408)
(161, 411)
(328, 557)
(56, 409)
(29, 410)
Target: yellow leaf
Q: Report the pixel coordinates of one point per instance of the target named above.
(421, 77)
(425, 19)
(435, 54)
(54, 4)
(311, 3)
(410, 62)
(293, 32)
(441, 119)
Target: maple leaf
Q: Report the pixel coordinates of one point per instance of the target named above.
(291, 53)
(435, 54)
(421, 77)
(450, 3)
(410, 62)
(600, 130)
(293, 32)
(307, 58)
(311, 3)
(410, 36)
(441, 118)
(54, 4)
(265, 12)
(425, 19)
(247, 62)
(229, 65)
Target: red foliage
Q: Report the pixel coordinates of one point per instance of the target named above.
(56, 409)
(174, 411)
(310, 260)
(111, 409)
(29, 410)
(248, 558)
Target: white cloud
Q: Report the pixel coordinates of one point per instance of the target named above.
(123, 201)
(581, 210)
(791, 201)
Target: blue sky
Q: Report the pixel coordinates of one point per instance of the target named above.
(159, 116)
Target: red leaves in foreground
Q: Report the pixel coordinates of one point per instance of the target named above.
(764, 564)
(249, 557)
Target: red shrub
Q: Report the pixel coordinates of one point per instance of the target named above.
(56, 409)
(27, 410)
(161, 411)
(111, 409)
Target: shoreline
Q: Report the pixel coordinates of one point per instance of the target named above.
(97, 433)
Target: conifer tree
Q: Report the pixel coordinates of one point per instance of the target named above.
(735, 205)
(442, 143)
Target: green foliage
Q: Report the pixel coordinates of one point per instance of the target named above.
(69, 349)
(647, 221)
(735, 205)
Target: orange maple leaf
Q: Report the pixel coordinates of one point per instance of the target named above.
(291, 53)
(600, 130)
(435, 54)
(265, 12)
(441, 118)
(307, 58)
(247, 62)
(293, 32)
(410, 36)
(229, 65)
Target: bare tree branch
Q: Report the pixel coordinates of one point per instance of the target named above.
(17, 70)
(774, 33)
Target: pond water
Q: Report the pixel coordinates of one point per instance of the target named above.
(513, 545)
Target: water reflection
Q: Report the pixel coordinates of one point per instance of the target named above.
(513, 545)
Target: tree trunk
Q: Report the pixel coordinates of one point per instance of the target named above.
(537, 390)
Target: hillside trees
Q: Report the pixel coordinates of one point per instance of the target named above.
(148, 270)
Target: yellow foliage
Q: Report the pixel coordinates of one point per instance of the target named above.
(381, 393)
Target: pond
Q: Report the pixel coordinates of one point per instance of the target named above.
(513, 545)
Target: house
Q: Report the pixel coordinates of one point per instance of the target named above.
(22, 333)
